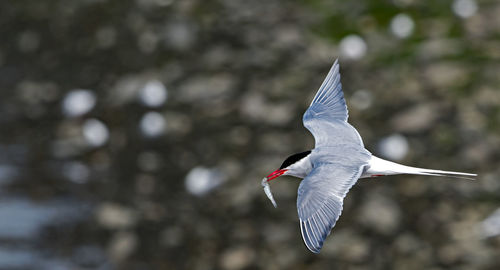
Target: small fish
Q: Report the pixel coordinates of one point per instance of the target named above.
(267, 190)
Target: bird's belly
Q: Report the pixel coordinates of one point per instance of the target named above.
(370, 172)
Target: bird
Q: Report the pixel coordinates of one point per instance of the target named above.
(338, 160)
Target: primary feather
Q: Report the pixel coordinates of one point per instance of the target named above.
(320, 199)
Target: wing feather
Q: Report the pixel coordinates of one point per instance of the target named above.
(321, 193)
(320, 199)
(326, 117)
(331, 96)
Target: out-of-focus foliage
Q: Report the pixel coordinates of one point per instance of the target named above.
(134, 134)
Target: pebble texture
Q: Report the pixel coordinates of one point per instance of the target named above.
(134, 134)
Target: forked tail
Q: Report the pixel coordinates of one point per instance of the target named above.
(380, 166)
(462, 175)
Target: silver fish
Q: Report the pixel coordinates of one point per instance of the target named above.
(267, 190)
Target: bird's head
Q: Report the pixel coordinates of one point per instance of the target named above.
(297, 165)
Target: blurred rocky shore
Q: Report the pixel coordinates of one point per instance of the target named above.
(134, 134)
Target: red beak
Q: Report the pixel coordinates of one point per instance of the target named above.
(275, 174)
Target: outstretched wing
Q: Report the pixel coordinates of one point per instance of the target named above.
(326, 117)
(329, 100)
(320, 199)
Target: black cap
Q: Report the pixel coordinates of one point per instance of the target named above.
(294, 158)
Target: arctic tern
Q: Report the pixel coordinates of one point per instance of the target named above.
(338, 160)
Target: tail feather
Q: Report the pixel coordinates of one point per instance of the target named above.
(385, 167)
(431, 172)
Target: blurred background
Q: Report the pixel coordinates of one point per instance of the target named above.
(135, 134)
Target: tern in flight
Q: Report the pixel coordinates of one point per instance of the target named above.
(338, 160)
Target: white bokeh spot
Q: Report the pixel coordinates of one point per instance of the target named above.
(361, 99)
(490, 227)
(153, 94)
(353, 47)
(95, 132)
(394, 147)
(77, 172)
(464, 8)
(402, 25)
(78, 102)
(153, 124)
(201, 180)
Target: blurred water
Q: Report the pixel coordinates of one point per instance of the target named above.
(22, 220)
(8, 173)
